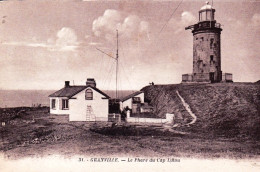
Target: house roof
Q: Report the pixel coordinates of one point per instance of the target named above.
(131, 95)
(70, 91)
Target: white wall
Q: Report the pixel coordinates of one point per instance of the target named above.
(169, 119)
(78, 107)
(141, 95)
(128, 102)
(58, 109)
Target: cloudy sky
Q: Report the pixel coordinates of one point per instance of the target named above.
(44, 42)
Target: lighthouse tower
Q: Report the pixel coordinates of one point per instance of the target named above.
(206, 48)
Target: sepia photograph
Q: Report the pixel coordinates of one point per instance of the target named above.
(117, 85)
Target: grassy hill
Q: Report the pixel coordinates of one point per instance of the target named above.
(227, 127)
(223, 109)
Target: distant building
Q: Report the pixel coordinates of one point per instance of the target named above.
(133, 102)
(81, 103)
(206, 49)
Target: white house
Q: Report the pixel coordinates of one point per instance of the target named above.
(133, 101)
(81, 103)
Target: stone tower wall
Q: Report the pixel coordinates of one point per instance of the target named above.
(206, 55)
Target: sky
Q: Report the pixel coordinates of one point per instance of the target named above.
(44, 42)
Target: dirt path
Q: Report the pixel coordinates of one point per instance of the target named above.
(187, 107)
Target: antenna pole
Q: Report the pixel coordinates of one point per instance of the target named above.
(116, 61)
(116, 58)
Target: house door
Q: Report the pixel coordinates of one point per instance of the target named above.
(136, 108)
(90, 114)
(211, 76)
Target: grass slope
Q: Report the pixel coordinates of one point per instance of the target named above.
(224, 109)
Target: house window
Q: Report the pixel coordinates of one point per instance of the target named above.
(136, 100)
(53, 103)
(89, 94)
(65, 104)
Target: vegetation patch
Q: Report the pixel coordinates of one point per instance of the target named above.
(133, 131)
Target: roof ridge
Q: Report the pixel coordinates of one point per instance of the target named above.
(70, 91)
(131, 95)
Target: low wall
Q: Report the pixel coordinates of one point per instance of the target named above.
(187, 78)
(113, 117)
(227, 77)
(146, 120)
(168, 119)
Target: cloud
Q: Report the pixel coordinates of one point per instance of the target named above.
(66, 40)
(94, 43)
(129, 26)
(255, 20)
(107, 23)
(187, 18)
(135, 28)
(28, 44)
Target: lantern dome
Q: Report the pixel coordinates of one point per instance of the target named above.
(207, 7)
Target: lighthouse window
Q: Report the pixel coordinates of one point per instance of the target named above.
(211, 58)
(211, 43)
(203, 16)
(202, 38)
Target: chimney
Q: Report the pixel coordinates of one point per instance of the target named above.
(91, 82)
(67, 83)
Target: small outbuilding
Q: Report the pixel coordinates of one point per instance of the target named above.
(133, 101)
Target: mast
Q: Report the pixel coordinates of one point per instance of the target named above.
(116, 62)
(116, 58)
